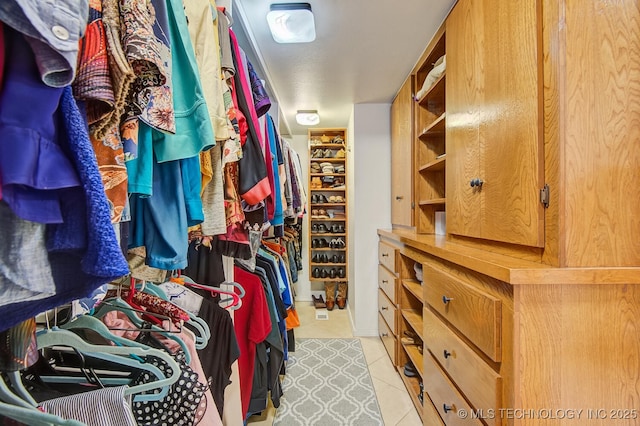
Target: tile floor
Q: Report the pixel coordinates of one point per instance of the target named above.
(394, 401)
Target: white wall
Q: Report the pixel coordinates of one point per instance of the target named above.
(303, 286)
(369, 210)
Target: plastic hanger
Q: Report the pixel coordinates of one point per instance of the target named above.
(33, 417)
(60, 337)
(16, 383)
(235, 298)
(120, 305)
(203, 332)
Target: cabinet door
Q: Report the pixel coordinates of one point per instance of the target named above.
(494, 121)
(463, 105)
(401, 157)
(511, 149)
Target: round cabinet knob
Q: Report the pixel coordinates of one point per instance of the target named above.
(384, 308)
(384, 335)
(446, 299)
(385, 254)
(385, 281)
(447, 408)
(447, 354)
(399, 197)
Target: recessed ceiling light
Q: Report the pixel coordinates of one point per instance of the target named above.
(291, 23)
(307, 117)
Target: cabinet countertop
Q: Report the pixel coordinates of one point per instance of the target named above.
(510, 269)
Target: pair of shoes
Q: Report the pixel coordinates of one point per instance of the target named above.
(410, 370)
(316, 183)
(318, 243)
(319, 229)
(318, 302)
(316, 273)
(421, 393)
(337, 229)
(337, 140)
(336, 199)
(337, 243)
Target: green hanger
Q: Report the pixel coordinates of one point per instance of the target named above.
(33, 417)
(60, 337)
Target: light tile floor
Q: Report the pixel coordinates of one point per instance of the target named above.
(394, 401)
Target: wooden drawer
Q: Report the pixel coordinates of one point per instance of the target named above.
(387, 282)
(476, 314)
(388, 311)
(388, 338)
(387, 256)
(442, 393)
(481, 385)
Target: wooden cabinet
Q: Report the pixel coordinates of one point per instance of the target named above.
(494, 121)
(388, 311)
(429, 127)
(402, 156)
(328, 230)
(528, 308)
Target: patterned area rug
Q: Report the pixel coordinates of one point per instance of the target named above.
(328, 384)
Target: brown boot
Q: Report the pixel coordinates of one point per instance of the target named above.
(330, 296)
(341, 298)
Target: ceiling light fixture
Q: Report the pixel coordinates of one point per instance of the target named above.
(291, 23)
(307, 117)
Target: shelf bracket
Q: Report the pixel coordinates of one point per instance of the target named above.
(544, 196)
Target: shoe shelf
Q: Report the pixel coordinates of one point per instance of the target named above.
(413, 386)
(328, 200)
(327, 145)
(329, 159)
(416, 358)
(414, 319)
(432, 100)
(332, 280)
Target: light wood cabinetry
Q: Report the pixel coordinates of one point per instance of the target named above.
(531, 310)
(388, 296)
(430, 147)
(402, 156)
(494, 133)
(328, 230)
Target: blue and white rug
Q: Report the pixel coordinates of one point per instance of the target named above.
(328, 384)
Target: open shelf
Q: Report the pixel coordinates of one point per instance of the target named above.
(327, 174)
(330, 159)
(327, 145)
(337, 280)
(434, 166)
(416, 358)
(413, 386)
(414, 319)
(437, 128)
(414, 288)
(435, 201)
(433, 100)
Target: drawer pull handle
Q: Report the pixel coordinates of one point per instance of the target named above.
(446, 299)
(399, 197)
(447, 408)
(447, 354)
(384, 335)
(384, 308)
(385, 254)
(385, 281)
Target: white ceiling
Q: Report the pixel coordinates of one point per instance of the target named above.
(364, 50)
